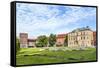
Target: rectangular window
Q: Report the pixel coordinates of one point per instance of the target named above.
(81, 38)
(84, 37)
(81, 33)
(87, 37)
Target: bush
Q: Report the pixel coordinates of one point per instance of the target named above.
(17, 45)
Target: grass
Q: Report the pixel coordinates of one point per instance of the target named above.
(60, 55)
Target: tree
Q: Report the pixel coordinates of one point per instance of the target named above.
(17, 45)
(66, 41)
(42, 41)
(52, 39)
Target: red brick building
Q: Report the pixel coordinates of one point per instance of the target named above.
(60, 38)
(23, 40)
(94, 38)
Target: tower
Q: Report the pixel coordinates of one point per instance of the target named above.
(23, 40)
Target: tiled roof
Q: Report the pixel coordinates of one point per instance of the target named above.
(82, 29)
(61, 35)
(94, 32)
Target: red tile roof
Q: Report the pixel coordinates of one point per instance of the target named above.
(61, 35)
(94, 33)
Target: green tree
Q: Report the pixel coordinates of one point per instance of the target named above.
(17, 45)
(66, 41)
(42, 41)
(52, 40)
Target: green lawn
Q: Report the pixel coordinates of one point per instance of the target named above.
(44, 56)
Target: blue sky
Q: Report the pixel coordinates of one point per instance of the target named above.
(38, 19)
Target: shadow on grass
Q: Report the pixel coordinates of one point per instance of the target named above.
(55, 57)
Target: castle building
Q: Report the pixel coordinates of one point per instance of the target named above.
(81, 37)
(25, 42)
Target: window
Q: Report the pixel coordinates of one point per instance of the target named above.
(84, 37)
(81, 38)
(72, 38)
(70, 43)
(88, 42)
(87, 37)
(68, 38)
(81, 33)
(84, 33)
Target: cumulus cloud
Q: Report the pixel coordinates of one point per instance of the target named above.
(37, 19)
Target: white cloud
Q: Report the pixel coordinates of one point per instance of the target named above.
(41, 19)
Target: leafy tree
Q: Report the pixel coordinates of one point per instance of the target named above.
(42, 41)
(66, 41)
(17, 45)
(52, 39)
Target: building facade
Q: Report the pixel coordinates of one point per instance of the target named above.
(94, 38)
(23, 40)
(31, 43)
(60, 39)
(81, 37)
